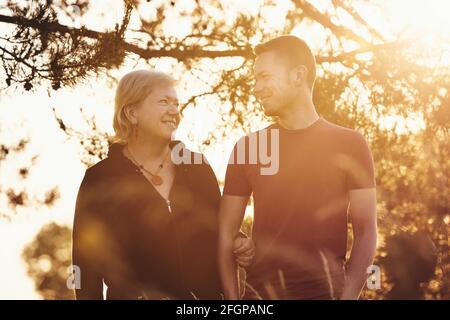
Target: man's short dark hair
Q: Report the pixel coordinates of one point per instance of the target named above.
(294, 50)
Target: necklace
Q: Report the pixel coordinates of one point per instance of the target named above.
(155, 178)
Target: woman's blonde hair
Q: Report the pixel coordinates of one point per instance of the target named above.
(132, 89)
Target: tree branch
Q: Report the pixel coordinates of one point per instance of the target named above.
(179, 54)
(358, 18)
(325, 21)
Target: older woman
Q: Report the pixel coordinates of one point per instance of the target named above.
(146, 225)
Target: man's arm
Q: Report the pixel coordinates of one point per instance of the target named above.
(231, 214)
(362, 211)
(243, 247)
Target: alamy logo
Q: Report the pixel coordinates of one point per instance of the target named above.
(256, 151)
(74, 279)
(374, 279)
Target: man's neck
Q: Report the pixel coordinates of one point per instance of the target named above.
(299, 116)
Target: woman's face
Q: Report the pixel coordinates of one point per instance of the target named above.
(158, 115)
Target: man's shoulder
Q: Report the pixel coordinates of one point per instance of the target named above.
(257, 133)
(340, 132)
(332, 126)
(324, 126)
(324, 130)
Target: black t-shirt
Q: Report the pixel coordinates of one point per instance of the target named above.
(300, 211)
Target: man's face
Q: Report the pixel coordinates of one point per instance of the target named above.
(273, 87)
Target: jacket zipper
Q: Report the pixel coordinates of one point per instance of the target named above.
(178, 246)
(168, 205)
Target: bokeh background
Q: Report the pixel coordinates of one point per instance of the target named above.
(383, 69)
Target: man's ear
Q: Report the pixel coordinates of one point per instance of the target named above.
(130, 113)
(298, 75)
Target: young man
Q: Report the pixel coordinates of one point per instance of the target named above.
(300, 209)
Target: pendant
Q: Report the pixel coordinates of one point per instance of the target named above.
(157, 180)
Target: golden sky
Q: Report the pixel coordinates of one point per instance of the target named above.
(29, 113)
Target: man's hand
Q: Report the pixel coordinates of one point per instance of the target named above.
(231, 214)
(244, 251)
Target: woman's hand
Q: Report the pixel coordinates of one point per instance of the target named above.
(244, 251)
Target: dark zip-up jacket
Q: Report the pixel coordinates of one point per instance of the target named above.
(127, 236)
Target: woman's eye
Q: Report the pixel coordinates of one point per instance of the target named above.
(164, 101)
